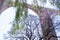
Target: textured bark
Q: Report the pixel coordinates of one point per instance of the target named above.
(3, 5)
(0, 2)
(47, 25)
(46, 22)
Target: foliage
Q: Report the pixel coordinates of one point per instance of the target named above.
(21, 15)
(30, 31)
(52, 2)
(43, 1)
(55, 3)
(58, 3)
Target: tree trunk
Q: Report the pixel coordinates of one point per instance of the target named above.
(47, 25)
(3, 5)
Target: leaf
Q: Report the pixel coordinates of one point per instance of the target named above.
(16, 3)
(21, 26)
(19, 14)
(14, 29)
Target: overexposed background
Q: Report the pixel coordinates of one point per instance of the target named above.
(7, 16)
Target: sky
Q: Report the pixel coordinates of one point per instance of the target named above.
(7, 16)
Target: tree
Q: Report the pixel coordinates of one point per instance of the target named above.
(46, 22)
(55, 3)
(31, 30)
(3, 5)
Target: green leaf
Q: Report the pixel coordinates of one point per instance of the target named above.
(19, 14)
(14, 29)
(16, 3)
(21, 26)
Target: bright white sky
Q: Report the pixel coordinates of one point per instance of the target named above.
(7, 16)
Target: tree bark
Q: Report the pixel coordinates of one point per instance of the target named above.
(47, 25)
(46, 22)
(3, 5)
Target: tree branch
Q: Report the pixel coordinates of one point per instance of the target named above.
(32, 7)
